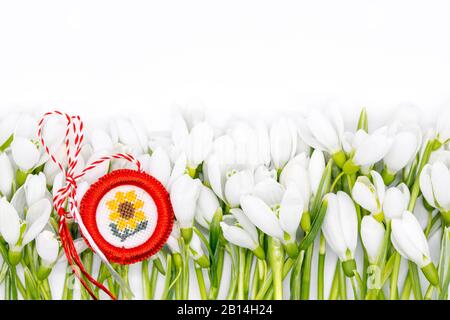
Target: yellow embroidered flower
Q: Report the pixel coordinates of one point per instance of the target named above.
(126, 210)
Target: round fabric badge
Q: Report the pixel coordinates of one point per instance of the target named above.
(128, 214)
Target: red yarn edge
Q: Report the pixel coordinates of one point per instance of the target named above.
(91, 200)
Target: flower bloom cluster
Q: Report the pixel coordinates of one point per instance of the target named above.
(253, 202)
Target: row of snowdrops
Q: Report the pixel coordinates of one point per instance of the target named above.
(255, 204)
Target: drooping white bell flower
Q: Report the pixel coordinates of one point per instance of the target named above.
(197, 253)
(324, 131)
(406, 143)
(396, 200)
(35, 188)
(195, 142)
(340, 228)
(443, 127)
(409, 240)
(207, 206)
(172, 241)
(370, 195)
(159, 166)
(101, 141)
(262, 173)
(6, 175)
(178, 169)
(47, 247)
(277, 211)
(434, 183)
(283, 142)
(183, 195)
(372, 236)
(366, 149)
(131, 132)
(25, 153)
(240, 231)
(7, 127)
(11, 225)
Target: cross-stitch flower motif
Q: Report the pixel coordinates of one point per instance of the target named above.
(126, 215)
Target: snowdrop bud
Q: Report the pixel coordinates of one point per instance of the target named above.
(9, 223)
(262, 216)
(238, 184)
(410, 241)
(396, 201)
(172, 241)
(295, 173)
(269, 191)
(434, 182)
(443, 127)
(7, 127)
(6, 175)
(404, 147)
(101, 141)
(370, 195)
(368, 149)
(340, 228)
(372, 235)
(159, 166)
(283, 142)
(290, 214)
(323, 130)
(196, 251)
(25, 153)
(207, 205)
(47, 247)
(37, 217)
(35, 188)
(199, 144)
(183, 195)
(316, 168)
(239, 230)
(132, 133)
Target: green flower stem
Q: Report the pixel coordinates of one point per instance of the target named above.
(241, 275)
(68, 287)
(145, 279)
(355, 290)
(214, 290)
(154, 280)
(267, 284)
(276, 259)
(87, 258)
(296, 277)
(248, 268)
(334, 291)
(365, 276)
(167, 279)
(306, 273)
(393, 292)
(234, 271)
(342, 283)
(201, 282)
(417, 290)
(407, 286)
(429, 293)
(321, 269)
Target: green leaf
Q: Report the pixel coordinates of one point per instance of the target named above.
(215, 230)
(315, 227)
(30, 283)
(7, 143)
(363, 122)
(3, 271)
(323, 188)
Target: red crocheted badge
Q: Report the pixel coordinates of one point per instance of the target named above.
(128, 214)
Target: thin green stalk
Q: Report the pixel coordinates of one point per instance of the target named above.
(267, 283)
(241, 275)
(201, 282)
(407, 286)
(417, 290)
(393, 292)
(276, 259)
(306, 273)
(334, 291)
(296, 277)
(167, 279)
(321, 269)
(342, 283)
(145, 279)
(153, 282)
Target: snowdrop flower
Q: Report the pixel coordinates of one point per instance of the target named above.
(366, 149)
(276, 211)
(130, 132)
(25, 153)
(443, 127)
(207, 206)
(17, 232)
(47, 247)
(6, 174)
(158, 165)
(183, 195)
(7, 127)
(197, 253)
(283, 142)
(340, 228)
(396, 200)
(195, 142)
(410, 241)
(372, 236)
(101, 141)
(35, 188)
(238, 230)
(370, 195)
(324, 131)
(406, 143)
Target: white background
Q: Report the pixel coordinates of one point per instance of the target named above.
(103, 58)
(113, 57)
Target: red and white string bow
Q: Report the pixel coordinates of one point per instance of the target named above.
(65, 201)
